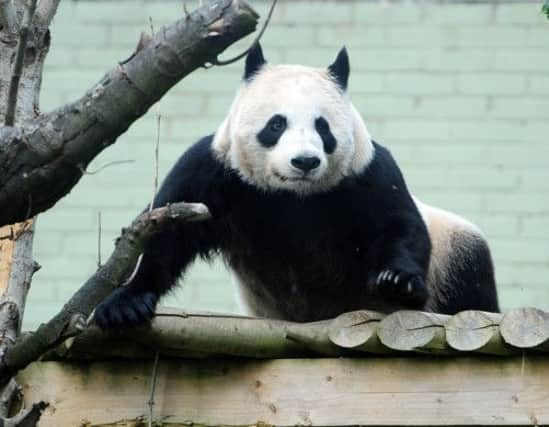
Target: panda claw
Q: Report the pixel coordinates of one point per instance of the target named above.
(409, 287)
(396, 279)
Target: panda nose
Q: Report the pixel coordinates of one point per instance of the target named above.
(305, 164)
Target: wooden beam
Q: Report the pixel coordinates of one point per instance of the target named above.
(419, 391)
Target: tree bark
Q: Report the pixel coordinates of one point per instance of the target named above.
(71, 320)
(53, 150)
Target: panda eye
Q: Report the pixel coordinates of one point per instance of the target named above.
(322, 125)
(273, 130)
(277, 124)
(328, 139)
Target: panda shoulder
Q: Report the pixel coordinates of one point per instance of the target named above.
(195, 174)
(382, 170)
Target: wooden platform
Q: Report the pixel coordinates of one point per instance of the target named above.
(413, 391)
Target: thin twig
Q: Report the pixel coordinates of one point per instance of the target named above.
(156, 156)
(150, 403)
(106, 165)
(98, 240)
(18, 67)
(220, 62)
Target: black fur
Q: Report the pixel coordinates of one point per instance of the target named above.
(254, 61)
(328, 139)
(309, 257)
(341, 68)
(273, 130)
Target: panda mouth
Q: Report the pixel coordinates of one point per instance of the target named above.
(283, 178)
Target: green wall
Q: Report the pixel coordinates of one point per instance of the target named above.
(459, 93)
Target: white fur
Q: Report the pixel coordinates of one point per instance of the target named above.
(452, 240)
(301, 94)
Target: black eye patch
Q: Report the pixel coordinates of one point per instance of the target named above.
(273, 130)
(328, 139)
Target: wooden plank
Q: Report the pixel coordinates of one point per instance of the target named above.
(420, 391)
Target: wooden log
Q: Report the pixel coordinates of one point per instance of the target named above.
(181, 334)
(526, 328)
(416, 391)
(476, 331)
(357, 330)
(414, 331)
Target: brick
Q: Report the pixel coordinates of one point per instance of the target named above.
(379, 13)
(310, 56)
(385, 106)
(386, 59)
(491, 37)
(490, 83)
(101, 59)
(519, 275)
(536, 227)
(500, 225)
(484, 129)
(516, 202)
(286, 35)
(417, 129)
(319, 12)
(124, 35)
(538, 85)
(525, 108)
(367, 83)
(463, 179)
(516, 13)
(453, 60)
(420, 83)
(535, 179)
(520, 250)
(458, 13)
(524, 297)
(352, 36)
(450, 107)
(461, 202)
(523, 60)
(537, 37)
(75, 35)
(426, 36)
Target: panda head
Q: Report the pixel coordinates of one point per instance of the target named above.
(293, 128)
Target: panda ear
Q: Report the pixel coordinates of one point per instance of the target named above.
(340, 68)
(254, 61)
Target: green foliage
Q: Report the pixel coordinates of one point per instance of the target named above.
(545, 8)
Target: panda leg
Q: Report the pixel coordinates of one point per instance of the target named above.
(400, 259)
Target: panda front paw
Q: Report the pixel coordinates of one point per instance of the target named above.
(125, 309)
(409, 289)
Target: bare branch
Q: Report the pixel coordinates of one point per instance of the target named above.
(220, 62)
(8, 16)
(45, 12)
(51, 151)
(18, 67)
(68, 322)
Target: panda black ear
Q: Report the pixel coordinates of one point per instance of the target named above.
(254, 61)
(340, 68)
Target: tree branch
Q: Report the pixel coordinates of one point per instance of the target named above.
(8, 17)
(18, 66)
(52, 150)
(71, 319)
(45, 12)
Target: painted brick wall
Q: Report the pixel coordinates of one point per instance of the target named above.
(459, 93)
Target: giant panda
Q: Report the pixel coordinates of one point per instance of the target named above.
(311, 215)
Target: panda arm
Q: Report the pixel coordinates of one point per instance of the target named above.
(193, 178)
(400, 252)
